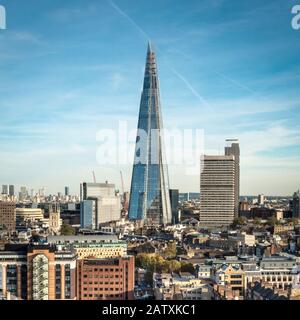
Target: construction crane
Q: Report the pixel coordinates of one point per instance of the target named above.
(122, 183)
(123, 199)
(94, 177)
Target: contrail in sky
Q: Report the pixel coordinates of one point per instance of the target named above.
(182, 78)
(126, 16)
(234, 82)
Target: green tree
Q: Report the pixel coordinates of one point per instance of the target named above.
(187, 267)
(170, 251)
(67, 230)
(272, 221)
(174, 266)
(149, 262)
(239, 222)
(156, 263)
(295, 221)
(257, 221)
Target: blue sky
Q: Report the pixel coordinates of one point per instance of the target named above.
(68, 69)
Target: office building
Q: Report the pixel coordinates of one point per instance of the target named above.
(149, 194)
(11, 190)
(4, 189)
(7, 216)
(105, 279)
(278, 271)
(107, 202)
(51, 274)
(174, 199)
(67, 191)
(233, 148)
(29, 215)
(88, 214)
(261, 199)
(23, 194)
(217, 193)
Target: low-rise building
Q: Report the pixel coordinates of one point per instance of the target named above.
(278, 271)
(263, 291)
(95, 246)
(246, 239)
(232, 276)
(203, 271)
(29, 215)
(181, 287)
(281, 228)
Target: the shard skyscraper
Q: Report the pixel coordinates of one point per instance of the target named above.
(149, 194)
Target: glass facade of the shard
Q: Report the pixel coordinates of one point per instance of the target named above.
(149, 196)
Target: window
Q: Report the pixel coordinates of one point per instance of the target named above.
(11, 279)
(67, 281)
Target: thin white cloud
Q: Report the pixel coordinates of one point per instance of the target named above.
(116, 80)
(65, 15)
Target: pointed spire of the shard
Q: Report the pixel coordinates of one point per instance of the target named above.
(149, 195)
(149, 47)
(150, 69)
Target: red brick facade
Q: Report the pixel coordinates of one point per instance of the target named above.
(105, 279)
(8, 216)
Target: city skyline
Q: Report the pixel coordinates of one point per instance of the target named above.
(80, 67)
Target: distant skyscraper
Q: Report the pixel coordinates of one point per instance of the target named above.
(67, 191)
(23, 194)
(233, 148)
(42, 192)
(4, 189)
(261, 199)
(149, 195)
(11, 190)
(217, 191)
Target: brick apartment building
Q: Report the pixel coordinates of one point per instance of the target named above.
(8, 216)
(39, 272)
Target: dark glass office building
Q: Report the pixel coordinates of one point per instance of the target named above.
(149, 197)
(174, 198)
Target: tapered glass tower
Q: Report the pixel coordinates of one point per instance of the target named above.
(149, 195)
